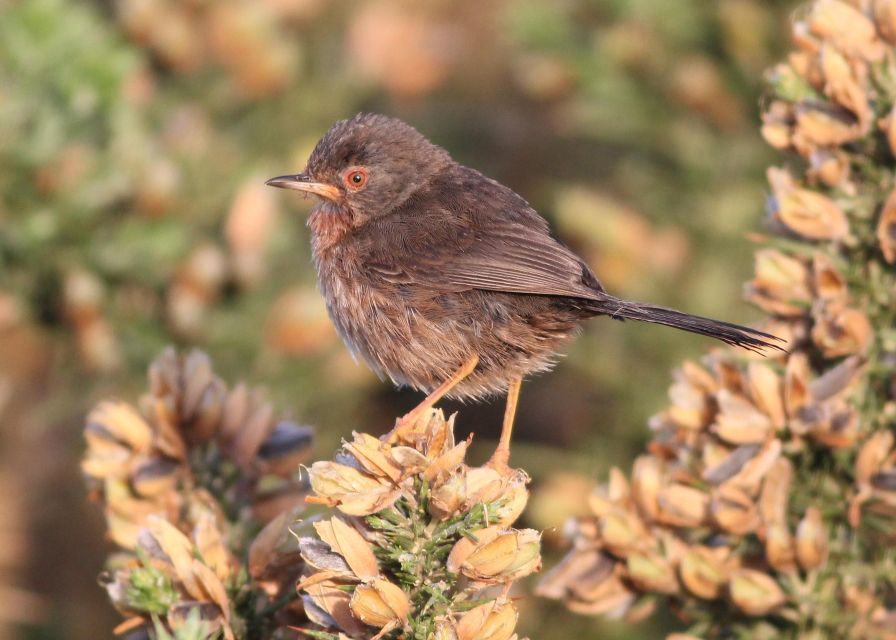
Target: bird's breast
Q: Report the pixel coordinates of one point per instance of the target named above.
(363, 315)
(413, 344)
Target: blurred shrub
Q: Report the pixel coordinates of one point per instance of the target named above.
(187, 482)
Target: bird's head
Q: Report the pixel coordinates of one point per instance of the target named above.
(368, 165)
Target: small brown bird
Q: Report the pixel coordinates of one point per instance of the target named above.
(445, 280)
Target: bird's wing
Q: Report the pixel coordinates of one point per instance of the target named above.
(502, 255)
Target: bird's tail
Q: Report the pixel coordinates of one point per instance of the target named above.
(733, 334)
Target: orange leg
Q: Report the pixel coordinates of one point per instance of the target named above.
(407, 422)
(501, 457)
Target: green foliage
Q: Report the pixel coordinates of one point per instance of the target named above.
(415, 551)
(194, 628)
(150, 590)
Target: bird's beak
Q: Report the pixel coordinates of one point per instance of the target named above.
(303, 182)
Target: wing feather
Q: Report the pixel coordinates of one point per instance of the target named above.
(503, 255)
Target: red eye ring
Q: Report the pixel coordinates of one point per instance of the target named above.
(355, 178)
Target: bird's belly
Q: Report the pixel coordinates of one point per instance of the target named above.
(420, 340)
(397, 340)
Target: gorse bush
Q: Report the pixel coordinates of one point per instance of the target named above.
(427, 548)
(763, 506)
(187, 481)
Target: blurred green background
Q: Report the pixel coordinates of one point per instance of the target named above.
(135, 136)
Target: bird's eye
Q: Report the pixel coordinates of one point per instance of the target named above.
(355, 178)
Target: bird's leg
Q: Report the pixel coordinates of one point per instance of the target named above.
(407, 421)
(501, 457)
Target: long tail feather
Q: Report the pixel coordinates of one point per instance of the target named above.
(733, 334)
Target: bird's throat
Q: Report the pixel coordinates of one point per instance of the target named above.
(329, 224)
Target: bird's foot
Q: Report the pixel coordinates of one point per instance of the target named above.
(500, 460)
(407, 424)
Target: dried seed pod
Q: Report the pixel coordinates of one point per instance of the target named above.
(380, 604)
(682, 506)
(755, 469)
(839, 428)
(831, 168)
(780, 551)
(828, 283)
(841, 331)
(690, 407)
(327, 603)
(739, 421)
(647, 478)
(822, 125)
(448, 497)
(776, 492)
(777, 122)
(469, 486)
(650, 571)
(607, 497)
(497, 554)
(748, 444)
(165, 472)
(846, 27)
(491, 621)
(155, 477)
(702, 572)
(733, 510)
(796, 384)
(622, 531)
(353, 492)
(872, 454)
(119, 422)
(811, 540)
(843, 85)
(273, 551)
(886, 225)
(609, 596)
(373, 456)
(348, 543)
(781, 285)
(755, 593)
(173, 576)
(286, 447)
(723, 463)
(766, 390)
(807, 213)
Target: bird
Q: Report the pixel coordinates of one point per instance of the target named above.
(444, 280)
